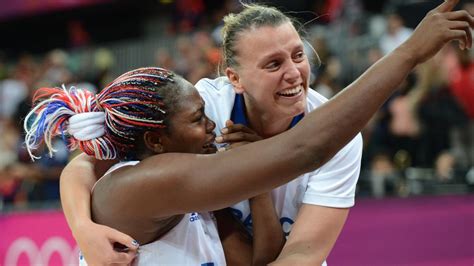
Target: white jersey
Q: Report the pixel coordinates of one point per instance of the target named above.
(193, 241)
(332, 185)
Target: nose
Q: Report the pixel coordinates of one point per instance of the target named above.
(292, 73)
(210, 125)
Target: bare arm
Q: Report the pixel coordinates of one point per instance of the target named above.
(95, 241)
(236, 241)
(268, 236)
(313, 235)
(76, 183)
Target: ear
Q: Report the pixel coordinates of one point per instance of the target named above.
(234, 78)
(153, 142)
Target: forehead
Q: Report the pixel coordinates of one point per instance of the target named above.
(266, 40)
(189, 101)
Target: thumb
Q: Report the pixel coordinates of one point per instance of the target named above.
(124, 239)
(446, 6)
(123, 258)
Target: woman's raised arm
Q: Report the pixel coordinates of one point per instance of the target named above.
(180, 183)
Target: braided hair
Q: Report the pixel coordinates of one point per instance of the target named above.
(116, 118)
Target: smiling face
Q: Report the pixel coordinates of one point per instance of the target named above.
(273, 70)
(190, 130)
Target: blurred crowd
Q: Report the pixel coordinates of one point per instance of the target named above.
(421, 141)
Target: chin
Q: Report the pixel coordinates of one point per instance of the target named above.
(210, 150)
(297, 108)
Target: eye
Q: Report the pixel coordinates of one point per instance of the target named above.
(272, 66)
(299, 56)
(199, 118)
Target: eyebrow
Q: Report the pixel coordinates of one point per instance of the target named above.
(199, 109)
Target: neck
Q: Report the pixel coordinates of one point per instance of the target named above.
(263, 123)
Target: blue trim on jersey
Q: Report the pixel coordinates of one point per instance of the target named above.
(238, 113)
(238, 117)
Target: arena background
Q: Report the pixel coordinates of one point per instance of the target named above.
(415, 200)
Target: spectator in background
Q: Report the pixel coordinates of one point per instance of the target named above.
(384, 177)
(403, 126)
(328, 9)
(460, 74)
(78, 35)
(21, 181)
(444, 167)
(187, 55)
(164, 58)
(103, 62)
(396, 33)
(461, 80)
(54, 68)
(439, 112)
(187, 15)
(198, 56)
(394, 129)
(15, 88)
(10, 180)
(399, 138)
(326, 69)
(206, 58)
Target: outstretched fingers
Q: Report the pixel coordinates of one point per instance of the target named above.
(446, 6)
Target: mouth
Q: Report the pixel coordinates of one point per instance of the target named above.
(209, 146)
(291, 92)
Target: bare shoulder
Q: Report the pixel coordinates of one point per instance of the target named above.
(114, 203)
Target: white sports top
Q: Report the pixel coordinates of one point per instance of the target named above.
(193, 241)
(332, 185)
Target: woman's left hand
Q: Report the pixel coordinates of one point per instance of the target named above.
(236, 135)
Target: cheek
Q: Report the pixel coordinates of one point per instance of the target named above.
(197, 135)
(305, 69)
(260, 98)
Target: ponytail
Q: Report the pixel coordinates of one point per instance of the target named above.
(74, 114)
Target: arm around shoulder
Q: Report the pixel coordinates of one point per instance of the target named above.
(95, 241)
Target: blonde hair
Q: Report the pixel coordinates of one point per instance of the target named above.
(253, 16)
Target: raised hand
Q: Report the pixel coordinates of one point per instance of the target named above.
(236, 135)
(440, 26)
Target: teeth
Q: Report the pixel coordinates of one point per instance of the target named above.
(291, 91)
